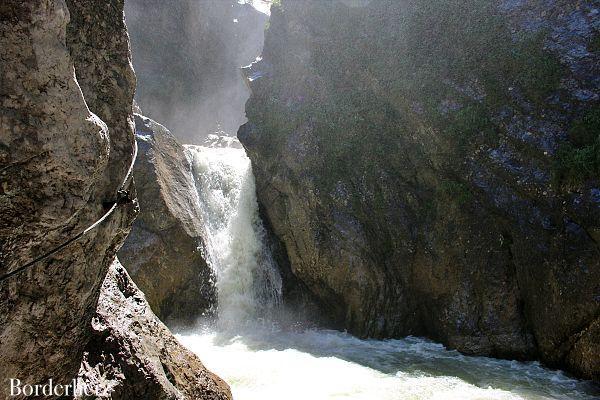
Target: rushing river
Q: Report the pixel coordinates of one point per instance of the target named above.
(263, 362)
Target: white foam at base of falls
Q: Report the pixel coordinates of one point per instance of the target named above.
(323, 365)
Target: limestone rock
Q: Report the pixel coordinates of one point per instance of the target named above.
(66, 143)
(134, 356)
(431, 169)
(163, 253)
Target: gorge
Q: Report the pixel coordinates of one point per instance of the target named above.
(392, 199)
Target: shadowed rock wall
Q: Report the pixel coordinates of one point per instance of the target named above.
(431, 168)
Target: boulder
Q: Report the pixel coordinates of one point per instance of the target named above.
(133, 355)
(164, 252)
(431, 169)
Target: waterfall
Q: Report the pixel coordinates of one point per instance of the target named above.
(248, 281)
(266, 362)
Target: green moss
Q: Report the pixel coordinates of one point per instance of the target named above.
(443, 46)
(362, 114)
(586, 129)
(471, 120)
(429, 209)
(536, 71)
(471, 40)
(579, 159)
(455, 191)
(594, 45)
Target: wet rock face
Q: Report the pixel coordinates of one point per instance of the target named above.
(163, 253)
(133, 355)
(187, 55)
(66, 140)
(438, 182)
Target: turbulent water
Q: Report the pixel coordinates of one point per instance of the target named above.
(261, 361)
(248, 282)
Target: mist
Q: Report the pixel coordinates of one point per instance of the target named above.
(187, 56)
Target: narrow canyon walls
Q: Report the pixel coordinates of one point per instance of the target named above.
(66, 147)
(187, 55)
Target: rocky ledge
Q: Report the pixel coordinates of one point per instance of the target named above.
(132, 354)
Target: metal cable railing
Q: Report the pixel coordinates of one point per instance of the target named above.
(122, 198)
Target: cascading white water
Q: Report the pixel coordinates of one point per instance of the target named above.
(264, 363)
(248, 281)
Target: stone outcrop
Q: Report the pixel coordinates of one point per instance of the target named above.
(133, 355)
(431, 168)
(66, 143)
(187, 57)
(163, 253)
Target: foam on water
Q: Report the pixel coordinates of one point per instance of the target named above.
(321, 364)
(264, 363)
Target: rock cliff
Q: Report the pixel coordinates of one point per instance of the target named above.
(431, 168)
(187, 55)
(66, 143)
(66, 146)
(163, 252)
